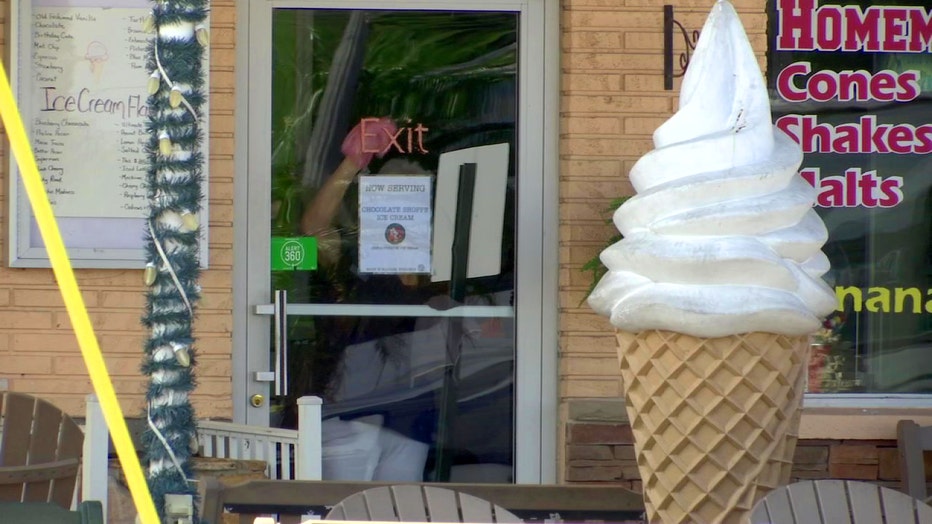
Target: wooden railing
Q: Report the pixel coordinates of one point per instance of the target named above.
(288, 501)
(289, 454)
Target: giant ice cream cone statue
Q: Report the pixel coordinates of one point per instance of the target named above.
(714, 289)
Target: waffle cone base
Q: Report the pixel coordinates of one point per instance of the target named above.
(715, 420)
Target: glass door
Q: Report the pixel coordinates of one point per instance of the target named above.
(393, 164)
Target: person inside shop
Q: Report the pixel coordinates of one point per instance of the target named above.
(363, 447)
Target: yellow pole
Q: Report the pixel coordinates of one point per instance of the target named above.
(77, 312)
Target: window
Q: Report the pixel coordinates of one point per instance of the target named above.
(852, 83)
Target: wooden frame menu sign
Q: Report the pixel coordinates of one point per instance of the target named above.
(79, 74)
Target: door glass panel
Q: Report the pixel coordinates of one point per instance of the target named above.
(415, 365)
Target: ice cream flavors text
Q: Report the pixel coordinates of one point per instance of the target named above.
(804, 25)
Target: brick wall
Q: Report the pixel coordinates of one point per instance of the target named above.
(612, 99)
(39, 353)
(600, 449)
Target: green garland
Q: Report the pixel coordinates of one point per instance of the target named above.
(174, 182)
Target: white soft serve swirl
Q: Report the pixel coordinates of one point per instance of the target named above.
(721, 237)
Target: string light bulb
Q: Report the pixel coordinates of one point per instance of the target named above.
(182, 356)
(202, 35)
(165, 144)
(189, 220)
(155, 80)
(148, 275)
(175, 97)
(148, 23)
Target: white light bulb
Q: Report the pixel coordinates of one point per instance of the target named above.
(175, 97)
(149, 274)
(148, 24)
(155, 80)
(202, 35)
(189, 220)
(182, 356)
(165, 144)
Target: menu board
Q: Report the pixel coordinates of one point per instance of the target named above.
(81, 86)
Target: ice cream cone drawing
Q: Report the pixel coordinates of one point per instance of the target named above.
(714, 289)
(96, 57)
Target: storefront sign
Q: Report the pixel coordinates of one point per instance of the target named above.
(851, 85)
(394, 224)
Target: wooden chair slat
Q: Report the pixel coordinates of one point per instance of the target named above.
(14, 445)
(475, 509)
(923, 514)
(43, 448)
(829, 493)
(71, 445)
(337, 513)
(864, 500)
(379, 504)
(39, 472)
(409, 501)
(442, 505)
(40, 451)
(775, 508)
(46, 433)
(803, 500)
(355, 508)
(912, 439)
(17, 429)
(895, 508)
(505, 516)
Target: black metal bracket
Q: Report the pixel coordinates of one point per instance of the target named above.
(690, 40)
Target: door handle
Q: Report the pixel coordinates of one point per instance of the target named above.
(280, 319)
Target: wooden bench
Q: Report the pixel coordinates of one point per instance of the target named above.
(290, 499)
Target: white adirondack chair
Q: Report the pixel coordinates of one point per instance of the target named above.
(839, 502)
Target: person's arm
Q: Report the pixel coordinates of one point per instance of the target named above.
(367, 139)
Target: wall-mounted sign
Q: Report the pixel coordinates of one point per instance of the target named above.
(80, 79)
(394, 224)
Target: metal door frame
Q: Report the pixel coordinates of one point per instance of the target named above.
(536, 391)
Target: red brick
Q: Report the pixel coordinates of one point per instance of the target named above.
(625, 453)
(808, 475)
(878, 443)
(589, 453)
(819, 442)
(594, 463)
(810, 455)
(596, 473)
(853, 471)
(630, 472)
(811, 467)
(599, 434)
(853, 454)
(889, 464)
